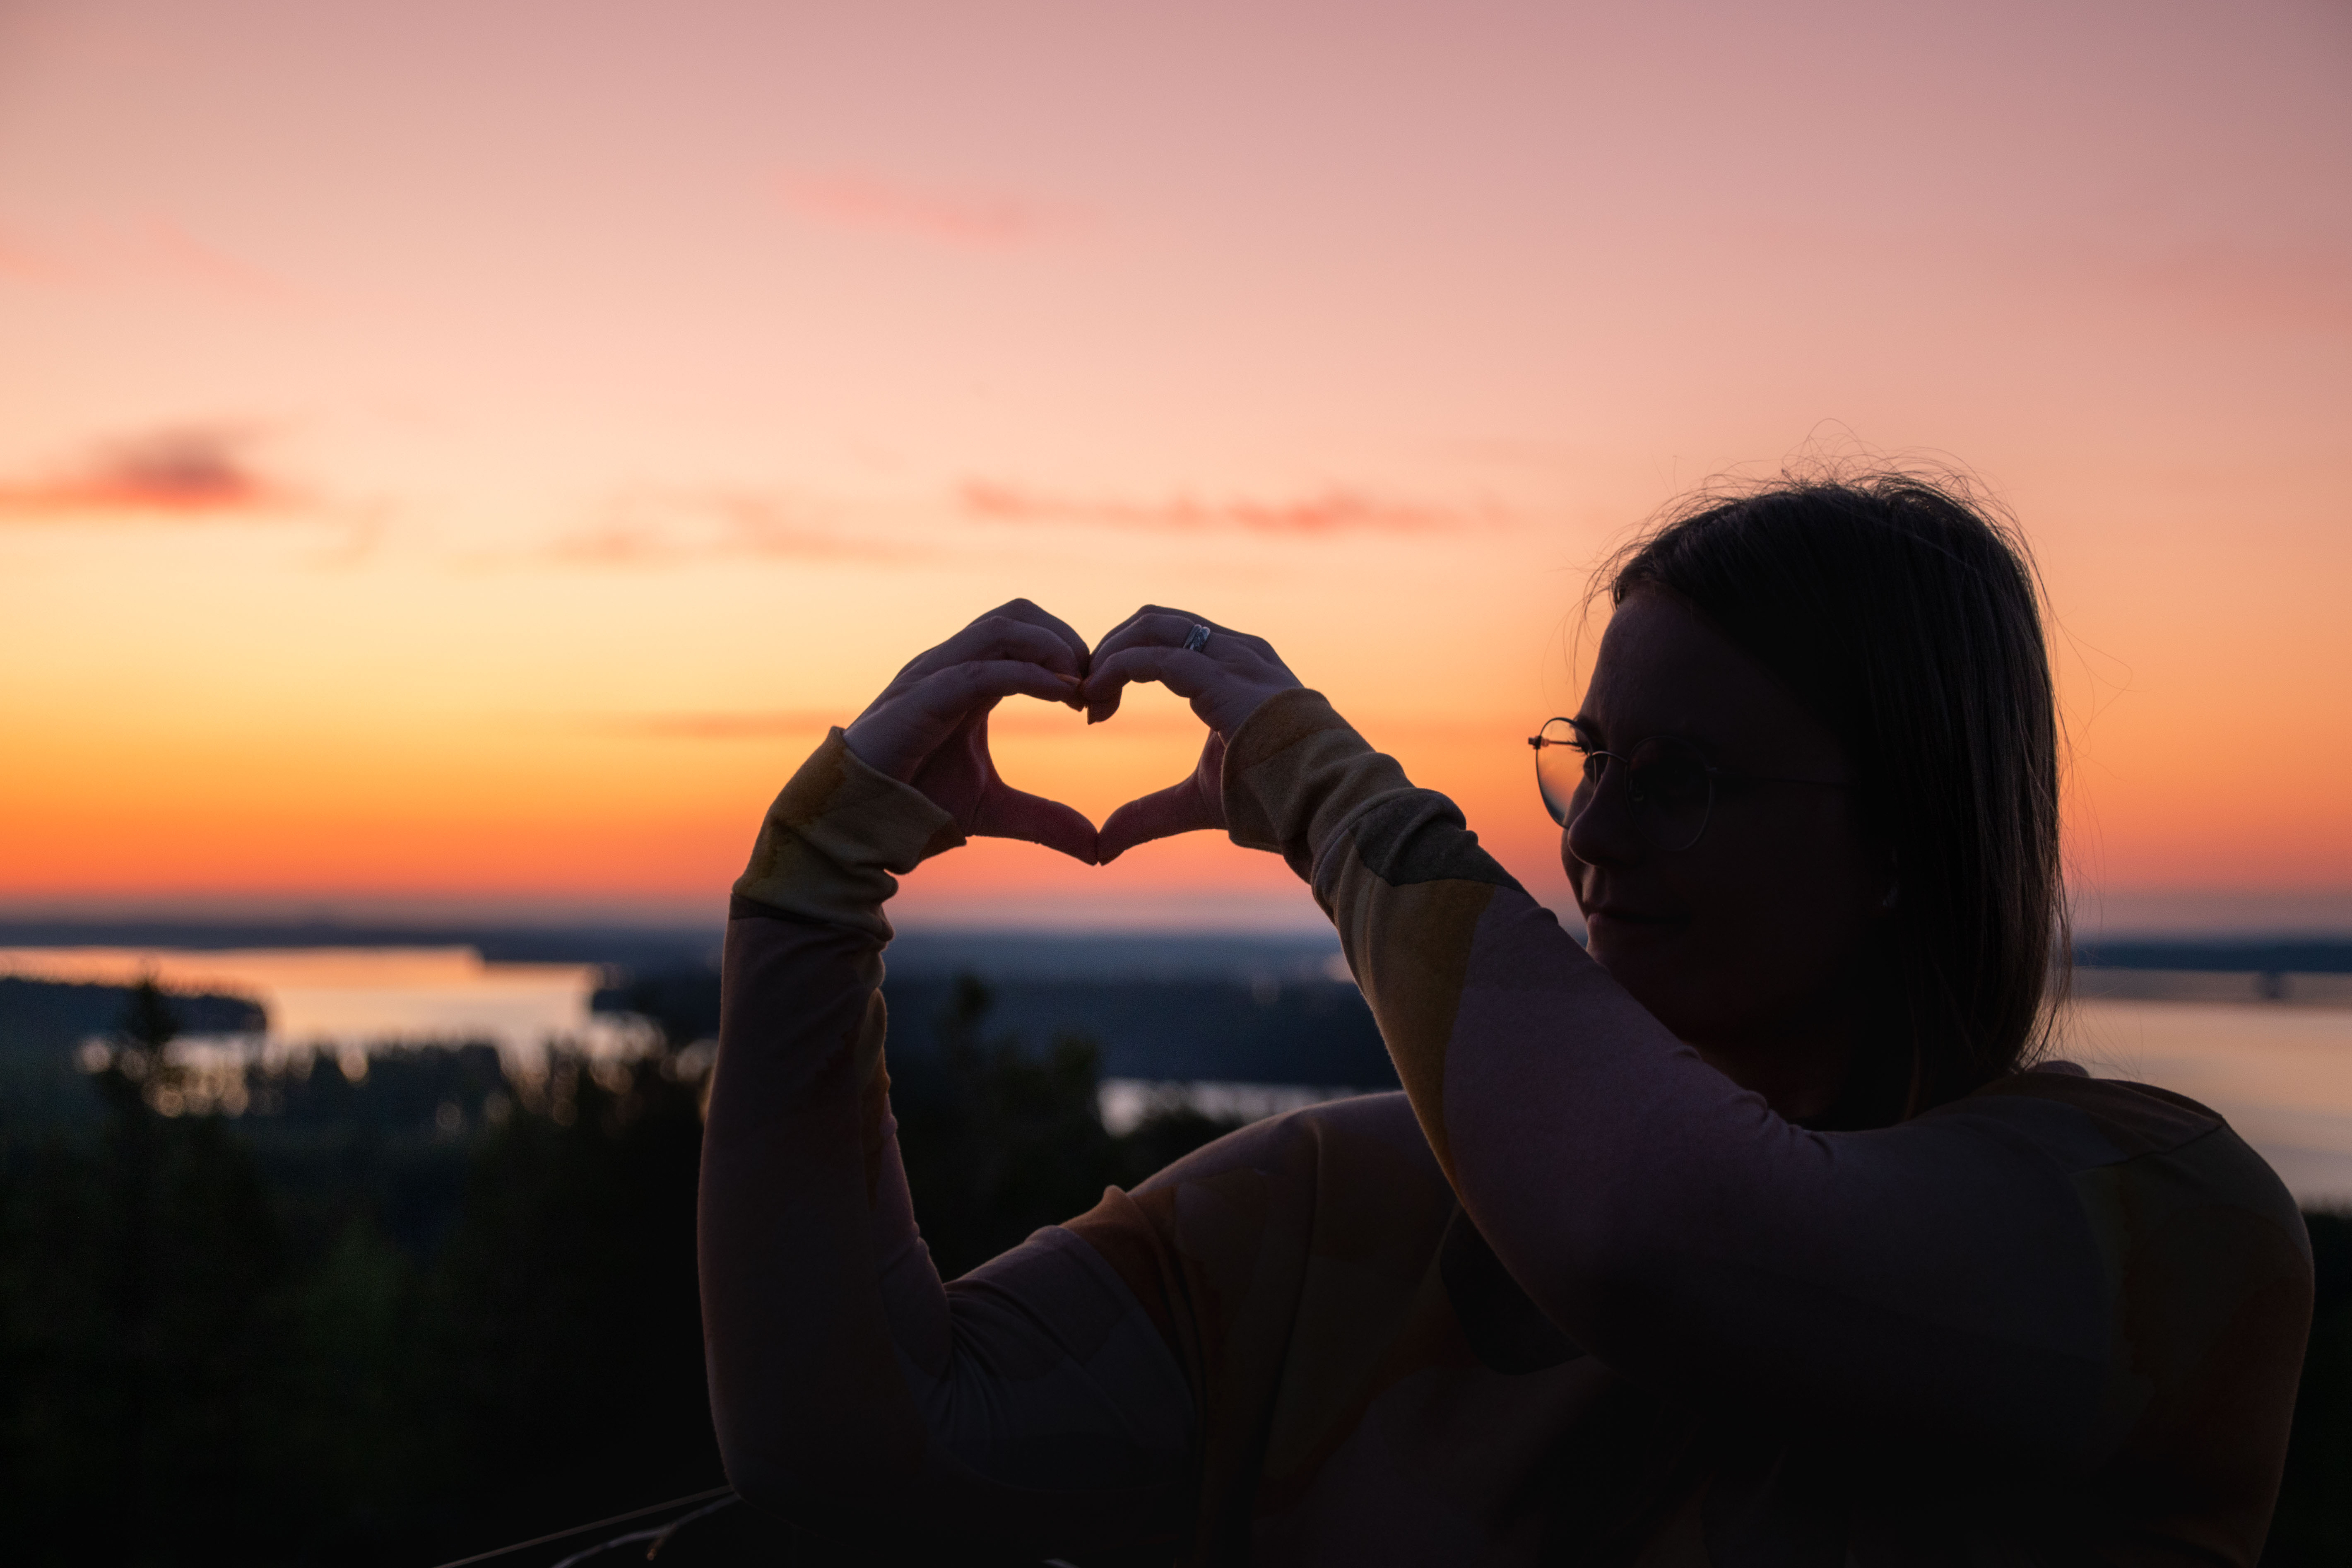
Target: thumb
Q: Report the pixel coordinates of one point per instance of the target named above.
(1007, 813)
(1163, 814)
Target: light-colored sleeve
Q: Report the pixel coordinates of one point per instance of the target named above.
(2081, 1279)
(1032, 1402)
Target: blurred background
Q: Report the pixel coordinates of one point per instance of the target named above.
(455, 460)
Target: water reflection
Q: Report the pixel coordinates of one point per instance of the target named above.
(350, 1001)
(2281, 1073)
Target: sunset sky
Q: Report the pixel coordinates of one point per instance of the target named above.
(463, 455)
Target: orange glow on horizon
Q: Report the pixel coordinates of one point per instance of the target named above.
(497, 502)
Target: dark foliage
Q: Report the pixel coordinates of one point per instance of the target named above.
(998, 1142)
(681, 1000)
(1296, 1028)
(408, 1317)
(48, 1018)
(418, 1314)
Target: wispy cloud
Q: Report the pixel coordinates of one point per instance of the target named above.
(156, 250)
(1322, 514)
(193, 473)
(171, 250)
(670, 528)
(955, 216)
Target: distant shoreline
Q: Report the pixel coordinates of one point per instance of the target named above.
(1037, 954)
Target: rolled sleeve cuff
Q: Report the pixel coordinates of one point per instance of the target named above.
(834, 835)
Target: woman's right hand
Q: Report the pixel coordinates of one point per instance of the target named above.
(1226, 677)
(929, 726)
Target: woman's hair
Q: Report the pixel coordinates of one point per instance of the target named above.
(1906, 617)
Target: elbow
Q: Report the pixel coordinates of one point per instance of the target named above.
(763, 1486)
(1601, 1277)
(826, 1494)
(800, 1503)
(808, 1449)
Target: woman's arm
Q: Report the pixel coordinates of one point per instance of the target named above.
(2010, 1274)
(1031, 1401)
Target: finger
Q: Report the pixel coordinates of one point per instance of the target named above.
(892, 737)
(1162, 624)
(1037, 616)
(1163, 814)
(1016, 629)
(995, 635)
(1183, 670)
(1009, 813)
(1158, 625)
(1154, 625)
(1140, 612)
(1150, 627)
(952, 694)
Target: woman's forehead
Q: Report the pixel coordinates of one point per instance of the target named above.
(1664, 669)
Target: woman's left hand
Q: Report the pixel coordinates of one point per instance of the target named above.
(1225, 678)
(930, 727)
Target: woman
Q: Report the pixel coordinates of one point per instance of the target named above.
(1751, 1235)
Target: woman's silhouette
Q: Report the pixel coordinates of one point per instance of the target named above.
(1756, 1235)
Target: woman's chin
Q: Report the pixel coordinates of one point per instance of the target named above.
(1653, 966)
(1615, 939)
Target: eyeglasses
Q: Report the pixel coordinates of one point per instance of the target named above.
(1668, 782)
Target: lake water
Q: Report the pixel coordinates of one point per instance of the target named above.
(347, 1001)
(2281, 1071)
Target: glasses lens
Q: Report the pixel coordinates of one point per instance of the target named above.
(1560, 767)
(1671, 791)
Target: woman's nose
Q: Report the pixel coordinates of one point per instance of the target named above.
(1600, 830)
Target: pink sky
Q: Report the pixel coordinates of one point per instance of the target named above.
(467, 453)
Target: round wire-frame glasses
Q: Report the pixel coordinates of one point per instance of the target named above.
(1668, 782)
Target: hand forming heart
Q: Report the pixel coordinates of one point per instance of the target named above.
(929, 726)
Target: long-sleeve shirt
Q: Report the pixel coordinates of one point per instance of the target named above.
(1572, 1296)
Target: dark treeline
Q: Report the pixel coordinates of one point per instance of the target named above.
(434, 1309)
(2221, 955)
(1301, 1029)
(408, 1317)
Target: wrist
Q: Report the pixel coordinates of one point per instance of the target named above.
(1233, 711)
(829, 844)
(872, 740)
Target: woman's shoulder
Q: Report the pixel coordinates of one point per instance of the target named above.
(2208, 1266)
(2091, 1124)
(2132, 1119)
(2155, 1176)
(1378, 1128)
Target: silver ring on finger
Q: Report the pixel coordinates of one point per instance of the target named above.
(1197, 638)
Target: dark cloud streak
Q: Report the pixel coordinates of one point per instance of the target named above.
(191, 474)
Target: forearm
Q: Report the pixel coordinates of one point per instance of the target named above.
(1418, 905)
(846, 1383)
(805, 1387)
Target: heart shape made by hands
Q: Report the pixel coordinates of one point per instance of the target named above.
(1140, 750)
(929, 726)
